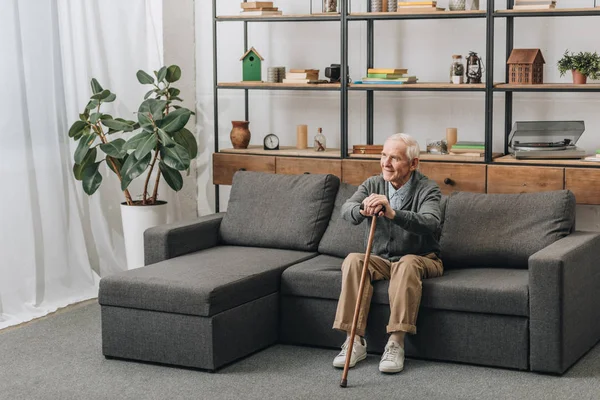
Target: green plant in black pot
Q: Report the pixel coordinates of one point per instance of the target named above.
(583, 65)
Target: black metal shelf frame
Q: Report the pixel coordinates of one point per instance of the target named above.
(345, 16)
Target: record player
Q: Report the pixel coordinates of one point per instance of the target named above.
(546, 139)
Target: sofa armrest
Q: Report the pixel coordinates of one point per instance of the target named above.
(564, 318)
(173, 240)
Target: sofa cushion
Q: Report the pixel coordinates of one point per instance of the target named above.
(278, 211)
(202, 283)
(503, 230)
(482, 290)
(341, 237)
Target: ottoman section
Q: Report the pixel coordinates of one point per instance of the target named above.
(201, 310)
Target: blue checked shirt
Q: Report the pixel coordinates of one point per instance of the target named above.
(396, 197)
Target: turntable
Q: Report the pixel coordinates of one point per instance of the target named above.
(546, 139)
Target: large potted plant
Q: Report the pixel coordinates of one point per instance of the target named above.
(160, 148)
(583, 65)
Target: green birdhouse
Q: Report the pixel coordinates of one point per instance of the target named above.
(251, 65)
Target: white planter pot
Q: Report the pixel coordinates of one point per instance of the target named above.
(136, 219)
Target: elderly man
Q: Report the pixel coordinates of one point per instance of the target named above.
(405, 249)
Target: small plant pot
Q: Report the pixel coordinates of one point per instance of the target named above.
(578, 77)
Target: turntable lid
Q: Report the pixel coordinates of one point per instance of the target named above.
(546, 131)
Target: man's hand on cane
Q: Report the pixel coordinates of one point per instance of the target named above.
(377, 204)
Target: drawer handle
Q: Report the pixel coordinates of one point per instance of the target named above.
(306, 173)
(449, 181)
(242, 169)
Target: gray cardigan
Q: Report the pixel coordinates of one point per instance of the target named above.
(416, 227)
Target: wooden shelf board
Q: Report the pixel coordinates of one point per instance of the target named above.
(421, 13)
(256, 84)
(424, 85)
(285, 151)
(552, 10)
(560, 86)
(511, 159)
(299, 16)
(434, 157)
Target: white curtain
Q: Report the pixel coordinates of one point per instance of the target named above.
(55, 241)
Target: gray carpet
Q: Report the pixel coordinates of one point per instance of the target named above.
(60, 357)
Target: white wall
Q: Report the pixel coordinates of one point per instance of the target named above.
(424, 47)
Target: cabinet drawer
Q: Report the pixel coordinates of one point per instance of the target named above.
(521, 179)
(356, 172)
(584, 183)
(299, 165)
(225, 165)
(456, 177)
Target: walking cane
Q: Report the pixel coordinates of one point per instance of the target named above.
(361, 288)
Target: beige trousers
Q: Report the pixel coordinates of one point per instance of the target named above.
(405, 278)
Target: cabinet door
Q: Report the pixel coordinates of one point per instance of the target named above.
(356, 172)
(225, 165)
(300, 165)
(583, 182)
(522, 179)
(456, 177)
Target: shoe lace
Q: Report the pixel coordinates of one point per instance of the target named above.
(391, 351)
(345, 348)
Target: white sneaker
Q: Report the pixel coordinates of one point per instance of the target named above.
(392, 360)
(359, 352)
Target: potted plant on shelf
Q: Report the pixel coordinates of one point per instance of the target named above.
(161, 147)
(583, 65)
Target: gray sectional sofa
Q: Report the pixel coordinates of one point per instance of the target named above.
(519, 288)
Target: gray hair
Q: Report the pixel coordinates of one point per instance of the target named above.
(412, 146)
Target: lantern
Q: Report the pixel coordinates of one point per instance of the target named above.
(473, 68)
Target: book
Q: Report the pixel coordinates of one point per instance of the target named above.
(257, 4)
(595, 158)
(385, 82)
(534, 7)
(463, 151)
(395, 71)
(302, 75)
(285, 80)
(387, 76)
(249, 13)
(417, 3)
(469, 143)
(294, 70)
(407, 79)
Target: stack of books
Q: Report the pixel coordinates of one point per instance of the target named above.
(418, 6)
(463, 147)
(302, 76)
(534, 4)
(388, 75)
(259, 8)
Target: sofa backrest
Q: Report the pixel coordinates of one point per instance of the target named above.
(503, 230)
(341, 237)
(279, 211)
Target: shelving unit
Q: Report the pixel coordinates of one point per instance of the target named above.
(458, 166)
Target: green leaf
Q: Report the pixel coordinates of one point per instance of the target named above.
(145, 120)
(112, 97)
(114, 148)
(117, 161)
(89, 159)
(76, 128)
(144, 78)
(175, 156)
(174, 92)
(135, 142)
(84, 116)
(187, 140)
(173, 73)
(175, 121)
(132, 168)
(96, 88)
(117, 125)
(91, 179)
(83, 147)
(176, 98)
(146, 146)
(92, 104)
(95, 117)
(162, 73)
(148, 94)
(172, 176)
(102, 95)
(106, 116)
(165, 138)
(154, 107)
(80, 134)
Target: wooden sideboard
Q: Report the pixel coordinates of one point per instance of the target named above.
(496, 177)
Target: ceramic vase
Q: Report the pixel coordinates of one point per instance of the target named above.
(136, 219)
(578, 77)
(472, 5)
(240, 134)
(456, 5)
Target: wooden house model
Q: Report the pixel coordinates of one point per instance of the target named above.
(251, 70)
(526, 67)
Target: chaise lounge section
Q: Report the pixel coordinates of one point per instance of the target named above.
(518, 290)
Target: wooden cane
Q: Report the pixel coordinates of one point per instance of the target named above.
(363, 278)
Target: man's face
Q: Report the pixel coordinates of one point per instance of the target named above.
(394, 164)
